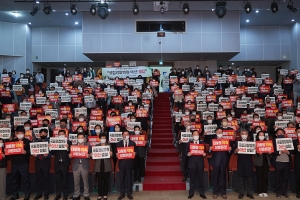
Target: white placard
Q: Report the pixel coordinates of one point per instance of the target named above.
(115, 137)
(40, 100)
(124, 93)
(252, 90)
(264, 76)
(246, 147)
(36, 131)
(241, 79)
(200, 99)
(66, 98)
(281, 124)
(37, 148)
(284, 72)
(192, 79)
(59, 79)
(5, 122)
(88, 99)
(93, 123)
(213, 107)
(25, 106)
(73, 138)
(100, 152)
(137, 86)
(17, 87)
(241, 104)
(79, 111)
(57, 143)
(54, 85)
(284, 143)
(201, 107)
(186, 137)
(23, 81)
(131, 125)
(258, 81)
(278, 91)
(5, 133)
(132, 98)
(206, 114)
(210, 129)
(19, 121)
(260, 111)
(221, 80)
(52, 112)
(186, 88)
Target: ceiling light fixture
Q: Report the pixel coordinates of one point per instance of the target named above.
(29, 23)
(102, 10)
(35, 9)
(162, 9)
(291, 7)
(257, 11)
(47, 9)
(16, 14)
(135, 8)
(293, 20)
(76, 23)
(186, 8)
(247, 6)
(247, 20)
(220, 9)
(73, 9)
(93, 9)
(274, 6)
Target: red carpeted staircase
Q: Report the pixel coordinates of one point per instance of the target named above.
(163, 165)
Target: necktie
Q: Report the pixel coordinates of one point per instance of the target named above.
(125, 143)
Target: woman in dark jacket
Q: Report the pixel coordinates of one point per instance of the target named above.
(3, 165)
(139, 165)
(102, 170)
(262, 163)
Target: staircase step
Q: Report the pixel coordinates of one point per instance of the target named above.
(159, 161)
(164, 183)
(166, 136)
(161, 140)
(162, 145)
(163, 170)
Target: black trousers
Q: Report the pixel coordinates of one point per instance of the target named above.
(61, 179)
(42, 175)
(242, 180)
(219, 179)
(262, 178)
(126, 172)
(103, 178)
(139, 167)
(184, 160)
(297, 174)
(282, 170)
(17, 171)
(193, 175)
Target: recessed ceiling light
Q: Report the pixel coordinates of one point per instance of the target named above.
(76, 23)
(257, 11)
(16, 14)
(268, 9)
(53, 10)
(29, 23)
(213, 9)
(247, 20)
(293, 20)
(109, 10)
(67, 13)
(37, 2)
(232, 63)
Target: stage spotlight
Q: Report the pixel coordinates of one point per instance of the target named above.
(186, 8)
(102, 10)
(248, 7)
(220, 9)
(73, 9)
(135, 8)
(93, 9)
(291, 7)
(274, 6)
(35, 9)
(47, 9)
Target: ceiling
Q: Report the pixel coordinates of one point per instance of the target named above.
(252, 63)
(60, 19)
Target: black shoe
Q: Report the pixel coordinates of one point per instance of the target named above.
(203, 196)
(66, 197)
(250, 196)
(38, 196)
(190, 196)
(241, 196)
(76, 198)
(278, 196)
(27, 197)
(46, 197)
(86, 198)
(122, 196)
(286, 195)
(298, 196)
(129, 196)
(139, 179)
(14, 198)
(135, 180)
(57, 197)
(184, 178)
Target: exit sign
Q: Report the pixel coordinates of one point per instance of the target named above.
(161, 34)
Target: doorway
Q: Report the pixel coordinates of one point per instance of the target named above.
(164, 74)
(44, 72)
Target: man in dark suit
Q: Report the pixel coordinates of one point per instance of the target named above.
(20, 166)
(219, 162)
(61, 168)
(244, 168)
(196, 166)
(297, 163)
(126, 166)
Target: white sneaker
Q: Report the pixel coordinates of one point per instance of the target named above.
(265, 195)
(261, 195)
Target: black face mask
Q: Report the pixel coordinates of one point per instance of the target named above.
(193, 120)
(43, 137)
(45, 125)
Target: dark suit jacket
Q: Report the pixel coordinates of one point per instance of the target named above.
(244, 164)
(194, 161)
(276, 153)
(62, 154)
(127, 163)
(219, 158)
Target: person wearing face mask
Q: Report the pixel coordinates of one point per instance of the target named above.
(220, 70)
(273, 128)
(244, 168)
(9, 96)
(197, 71)
(20, 166)
(196, 167)
(281, 162)
(262, 162)
(3, 166)
(97, 130)
(126, 166)
(297, 163)
(238, 71)
(80, 130)
(116, 128)
(209, 121)
(102, 169)
(39, 79)
(42, 169)
(80, 169)
(61, 168)
(139, 161)
(20, 94)
(219, 162)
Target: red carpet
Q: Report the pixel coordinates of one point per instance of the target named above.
(163, 166)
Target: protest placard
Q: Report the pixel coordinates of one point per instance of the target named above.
(100, 152)
(73, 138)
(241, 104)
(284, 143)
(246, 147)
(14, 148)
(210, 129)
(37, 148)
(131, 125)
(138, 139)
(79, 151)
(220, 145)
(115, 137)
(264, 146)
(197, 149)
(19, 121)
(5, 133)
(186, 137)
(125, 153)
(58, 143)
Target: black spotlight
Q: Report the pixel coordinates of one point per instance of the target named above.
(248, 7)
(93, 9)
(186, 8)
(291, 7)
(73, 9)
(220, 9)
(34, 10)
(102, 10)
(162, 10)
(274, 6)
(47, 9)
(135, 8)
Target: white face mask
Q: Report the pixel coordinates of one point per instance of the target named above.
(7, 89)
(126, 137)
(280, 117)
(136, 132)
(220, 109)
(220, 135)
(133, 120)
(298, 135)
(209, 121)
(229, 118)
(102, 141)
(187, 113)
(130, 104)
(257, 131)
(81, 119)
(80, 141)
(256, 119)
(20, 136)
(188, 127)
(1, 144)
(210, 93)
(61, 136)
(27, 128)
(261, 137)
(244, 137)
(196, 137)
(97, 130)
